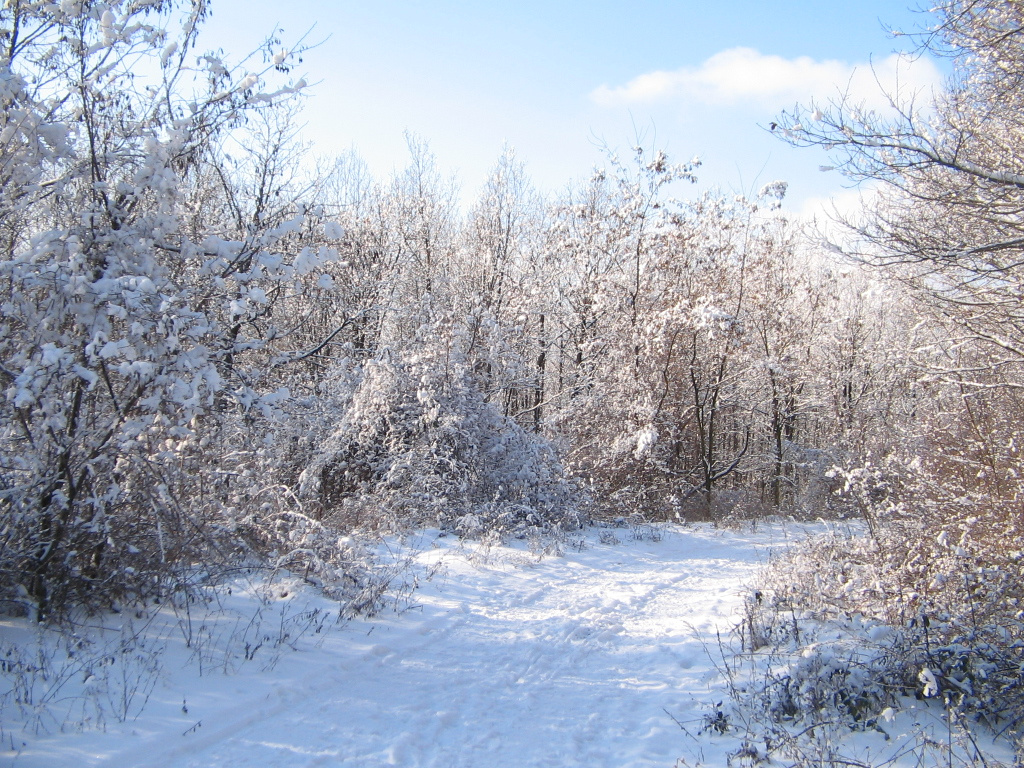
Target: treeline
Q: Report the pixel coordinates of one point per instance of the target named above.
(684, 358)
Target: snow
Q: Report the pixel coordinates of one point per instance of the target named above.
(168, 51)
(502, 658)
(605, 654)
(931, 685)
(646, 439)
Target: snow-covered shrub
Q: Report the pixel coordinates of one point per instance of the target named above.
(926, 603)
(129, 313)
(417, 443)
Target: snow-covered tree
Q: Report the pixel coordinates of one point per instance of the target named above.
(946, 227)
(129, 307)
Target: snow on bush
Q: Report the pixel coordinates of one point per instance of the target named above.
(417, 443)
(132, 309)
(925, 604)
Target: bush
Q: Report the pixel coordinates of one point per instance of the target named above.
(416, 442)
(926, 603)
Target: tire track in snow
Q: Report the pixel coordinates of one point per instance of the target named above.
(567, 662)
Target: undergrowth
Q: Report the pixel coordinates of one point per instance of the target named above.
(91, 671)
(910, 629)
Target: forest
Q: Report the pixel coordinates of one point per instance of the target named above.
(217, 354)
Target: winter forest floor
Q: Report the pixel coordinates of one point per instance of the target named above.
(608, 655)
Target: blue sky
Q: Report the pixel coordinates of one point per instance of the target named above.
(555, 80)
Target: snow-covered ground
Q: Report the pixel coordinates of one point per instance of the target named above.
(605, 656)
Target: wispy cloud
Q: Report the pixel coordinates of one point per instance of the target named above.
(744, 75)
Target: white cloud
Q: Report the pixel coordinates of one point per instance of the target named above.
(744, 75)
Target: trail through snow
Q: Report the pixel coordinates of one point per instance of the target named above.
(502, 658)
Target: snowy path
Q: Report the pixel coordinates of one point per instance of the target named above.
(503, 661)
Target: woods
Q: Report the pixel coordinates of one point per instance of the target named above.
(210, 344)
(222, 354)
(217, 352)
